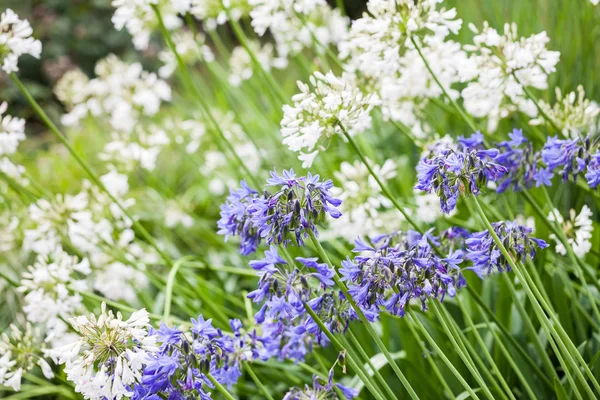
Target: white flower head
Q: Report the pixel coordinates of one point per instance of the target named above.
(105, 360)
(572, 113)
(320, 111)
(191, 48)
(577, 229)
(240, 62)
(215, 12)
(16, 40)
(21, 351)
(500, 65)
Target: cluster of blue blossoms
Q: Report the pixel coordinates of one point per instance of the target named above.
(512, 164)
(386, 274)
(298, 206)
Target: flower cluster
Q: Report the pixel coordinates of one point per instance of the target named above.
(398, 268)
(19, 353)
(332, 105)
(486, 256)
(108, 357)
(295, 25)
(216, 12)
(16, 40)
(577, 229)
(572, 113)
(321, 390)
(12, 132)
(298, 206)
(241, 66)
(123, 92)
(139, 18)
(190, 47)
(500, 66)
(464, 170)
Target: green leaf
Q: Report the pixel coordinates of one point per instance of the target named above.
(561, 393)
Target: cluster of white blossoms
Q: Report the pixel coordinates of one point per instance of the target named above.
(187, 132)
(16, 40)
(376, 42)
(577, 229)
(50, 287)
(365, 210)
(122, 92)
(97, 227)
(107, 358)
(191, 48)
(19, 353)
(572, 113)
(138, 17)
(328, 106)
(12, 132)
(500, 65)
(241, 66)
(216, 12)
(176, 216)
(295, 25)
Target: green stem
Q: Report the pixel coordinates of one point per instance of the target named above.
(462, 113)
(220, 387)
(383, 187)
(257, 381)
(84, 165)
(535, 101)
(169, 288)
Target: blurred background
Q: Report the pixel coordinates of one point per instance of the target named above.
(80, 32)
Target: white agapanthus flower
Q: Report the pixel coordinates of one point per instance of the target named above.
(190, 48)
(493, 91)
(320, 110)
(427, 208)
(188, 133)
(293, 23)
(577, 229)
(122, 92)
(595, 2)
(240, 63)
(16, 40)
(376, 42)
(21, 351)
(138, 17)
(176, 216)
(365, 210)
(214, 12)
(109, 355)
(49, 287)
(9, 225)
(572, 113)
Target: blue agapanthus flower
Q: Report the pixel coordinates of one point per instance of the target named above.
(485, 254)
(297, 207)
(465, 169)
(321, 390)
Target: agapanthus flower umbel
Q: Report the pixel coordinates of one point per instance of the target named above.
(298, 206)
(285, 291)
(107, 359)
(572, 113)
(16, 40)
(398, 268)
(20, 352)
(486, 256)
(493, 90)
(319, 113)
(180, 366)
(452, 172)
(376, 42)
(12, 132)
(577, 229)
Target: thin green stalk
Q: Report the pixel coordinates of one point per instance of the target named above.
(440, 353)
(169, 289)
(220, 387)
(363, 318)
(366, 357)
(430, 360)
(383, 187)
(537, 105)
(537, 301)
(461, 351)
(484, 349)
(351, 360)
(84, 165)
(257, 381)
(462, 113)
